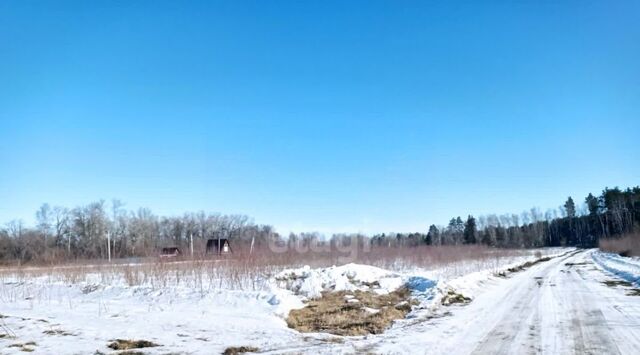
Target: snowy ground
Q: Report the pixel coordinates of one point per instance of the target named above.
(559, 306)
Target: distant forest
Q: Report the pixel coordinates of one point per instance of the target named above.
(613, 213)
(82, 232)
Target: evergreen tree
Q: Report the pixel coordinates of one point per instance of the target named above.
(470, 231)
(456, 225)
(501, 236)
(570, 207)
(452, 225)
(612, 199)
(592, 204)
(486, 238)
(433, 237)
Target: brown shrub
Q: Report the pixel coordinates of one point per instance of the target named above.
(628, 245)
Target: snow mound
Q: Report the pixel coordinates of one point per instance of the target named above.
(625, 268)
(311, 283)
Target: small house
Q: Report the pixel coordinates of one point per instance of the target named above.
(218, 246)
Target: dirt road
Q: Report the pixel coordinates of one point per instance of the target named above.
(564, 307)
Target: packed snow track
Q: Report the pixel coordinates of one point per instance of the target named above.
(562, 308)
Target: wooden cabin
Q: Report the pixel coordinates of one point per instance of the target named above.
(219, 247)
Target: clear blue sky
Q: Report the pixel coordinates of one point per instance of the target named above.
(317, 115)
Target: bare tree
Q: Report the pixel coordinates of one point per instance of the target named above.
(43, 218)
(61, 226)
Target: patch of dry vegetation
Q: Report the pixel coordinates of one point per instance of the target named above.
(57, 332)
(351, 313)
(235, 350)
(522, 266)
(628, 245)
(453, 297)
(614, 283)
(576, 264)
(528, 264)
(633, 292)
(126, 344)
(26, 347)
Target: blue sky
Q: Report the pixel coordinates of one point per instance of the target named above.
(331, 116)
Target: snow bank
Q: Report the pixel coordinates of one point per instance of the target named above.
(625, 268)
(427, 286)
(298, 285)
(310, 283)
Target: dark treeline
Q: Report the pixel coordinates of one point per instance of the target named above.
(83, 232)
(613, 213)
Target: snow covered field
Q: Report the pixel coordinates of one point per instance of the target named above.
(50, 312)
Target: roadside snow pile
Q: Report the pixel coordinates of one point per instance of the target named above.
(310, 283)
(623, 267)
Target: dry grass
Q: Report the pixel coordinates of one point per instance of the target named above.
(351, 313)
(628, 245)
(57, 332)
(452, 297)
(235, 350)
(631, 291)
(242, 271)
(26, 347)
(126, 344)
(522, 266)
(576, 264)
(528, 264)
(614, 283)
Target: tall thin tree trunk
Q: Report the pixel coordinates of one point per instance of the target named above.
(191, 244)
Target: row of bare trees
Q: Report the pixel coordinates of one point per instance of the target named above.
(100, 230)
(104, 230)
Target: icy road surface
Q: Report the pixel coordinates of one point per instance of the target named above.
(557, 307)
(561, 308)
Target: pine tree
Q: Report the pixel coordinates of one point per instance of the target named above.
(486, 238)
(570, 207)
(433, 237)
(592, 204)
(470, 231)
